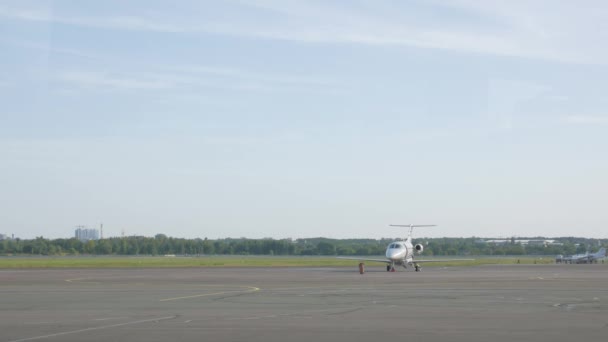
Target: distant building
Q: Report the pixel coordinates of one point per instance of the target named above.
(3, 237)
(84, 234)
(498, 241)
(535, 242)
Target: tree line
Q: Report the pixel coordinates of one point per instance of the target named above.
(163, 245)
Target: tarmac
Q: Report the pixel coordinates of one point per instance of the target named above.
(483, 303)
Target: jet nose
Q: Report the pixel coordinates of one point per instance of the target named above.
(392, 254)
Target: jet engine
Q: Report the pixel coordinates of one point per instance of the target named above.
(419, 248)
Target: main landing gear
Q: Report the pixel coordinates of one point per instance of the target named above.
(391, 267)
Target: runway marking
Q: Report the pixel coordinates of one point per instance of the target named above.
(303, 314)
(94, 328)
(249, 289)
(109, 318)
(80, 281)
(329, 287)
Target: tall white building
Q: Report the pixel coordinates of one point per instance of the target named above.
(84, 234)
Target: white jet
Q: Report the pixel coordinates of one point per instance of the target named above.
(402, 252)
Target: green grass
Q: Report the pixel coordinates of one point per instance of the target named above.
(155, 262)
(230, 261)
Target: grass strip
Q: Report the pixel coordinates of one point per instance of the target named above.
(231, 261)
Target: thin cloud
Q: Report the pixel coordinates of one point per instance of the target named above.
(585, 120)
(91, 79)
(223, 77)
(185, 81)
(258, 76)
(512, 29)
(51, 48)
(528, 31)
(26, 14)
(119, 22)
(168, 76)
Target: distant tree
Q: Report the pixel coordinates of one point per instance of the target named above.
(345, 250)
(40, 246)
(89, 247)
(103, 247)
(581, 249)
(53, 249)
(326, 248)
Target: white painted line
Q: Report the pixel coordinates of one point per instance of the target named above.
(94, 328)
(81, 281)
(249, 289)
(297, 313)
(109, 318)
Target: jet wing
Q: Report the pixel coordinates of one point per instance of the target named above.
(440, 260)
(363, 259)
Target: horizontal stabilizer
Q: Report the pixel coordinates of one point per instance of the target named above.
(411, 226)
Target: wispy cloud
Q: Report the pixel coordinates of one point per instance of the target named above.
(258, 77)
(50, 48)
(29, 14)
(585, 120)
(118, 22)
(191, 78)
(107, 81)
(139, 75)
(518, 29)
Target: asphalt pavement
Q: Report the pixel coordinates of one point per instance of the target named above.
(484, 303)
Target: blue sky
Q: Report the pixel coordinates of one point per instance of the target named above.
(303, 118)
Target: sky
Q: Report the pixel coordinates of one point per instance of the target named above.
(292, 119)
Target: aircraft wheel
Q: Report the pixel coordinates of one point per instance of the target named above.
(388, 268)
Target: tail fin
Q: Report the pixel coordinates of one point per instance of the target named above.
(602, 252)
(412, 226)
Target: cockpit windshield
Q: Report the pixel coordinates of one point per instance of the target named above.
(395, 246)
